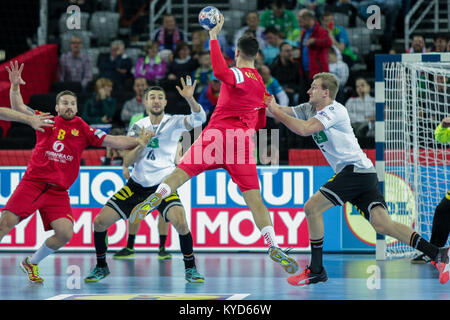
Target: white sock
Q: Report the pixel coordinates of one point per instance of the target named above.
(269, 236)
(39, 255)
(164, 190)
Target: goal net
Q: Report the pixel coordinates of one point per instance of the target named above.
(416, 96)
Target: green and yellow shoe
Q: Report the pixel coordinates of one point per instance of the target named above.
(125, 253)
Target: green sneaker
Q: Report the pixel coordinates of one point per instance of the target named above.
(163, 254)
(192, 275)
(125, 253)
(97, 274)
(281, 257)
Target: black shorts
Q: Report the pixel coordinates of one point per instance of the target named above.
(133, 193)
(360, 189)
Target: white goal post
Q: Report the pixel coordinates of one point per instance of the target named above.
(412, 94)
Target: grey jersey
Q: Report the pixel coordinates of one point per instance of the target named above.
(337, 141)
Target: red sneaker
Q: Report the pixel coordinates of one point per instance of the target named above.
(32, 270)
(442, 264)
(308, 277)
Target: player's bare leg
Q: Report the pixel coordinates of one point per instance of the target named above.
(170, 184)
(262, 220)
(63, 228)
(315, 272)
(102, 222)
(8, 220)
(383, 224)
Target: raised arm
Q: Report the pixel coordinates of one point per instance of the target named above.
(15, 78)
(198, 115)
(36, 121)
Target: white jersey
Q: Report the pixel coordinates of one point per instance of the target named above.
(157, 160)
(337, 142)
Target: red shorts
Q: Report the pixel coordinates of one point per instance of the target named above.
(52, 202)
(230, 149)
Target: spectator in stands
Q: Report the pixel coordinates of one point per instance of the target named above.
(115, 65)
(134, 105)
(199, 37)
(75, 65)
(209, 96)
(314, 45)
(340, 70)
(151, 66)
(252, 21)
(417, 45)
(183, 64)
(285, 69)
(273, 86)
(100, 109)
(272, 50)
(346, 7)
(339, 38)
(279, 17)
(361, 110)
(448, 46)
(169, 35)
(133, 15)
(315, 5)
(439, 43)
(203, 73)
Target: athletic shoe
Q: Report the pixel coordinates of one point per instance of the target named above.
(97, 274)
(421, 259)
(308, 277)
(192, 275)
(281, 257)
(140, 211)
(32, 270)
(163, 254)
(443, 265)
(125, 253)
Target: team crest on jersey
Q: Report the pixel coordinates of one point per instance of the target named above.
(75, 132)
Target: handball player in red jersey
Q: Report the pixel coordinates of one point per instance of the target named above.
(53, 168)
(227, 141)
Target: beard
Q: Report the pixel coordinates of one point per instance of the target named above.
(156, 113)
(68, 115)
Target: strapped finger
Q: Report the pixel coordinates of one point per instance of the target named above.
(188, 80)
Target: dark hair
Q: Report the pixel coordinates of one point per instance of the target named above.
(249, 46)
(153, 88)
(180, 45)
(284, 43)
(271, 29)
(327, 14)
(65, 93)
(440, 36)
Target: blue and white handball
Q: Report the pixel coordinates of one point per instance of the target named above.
(208, 17)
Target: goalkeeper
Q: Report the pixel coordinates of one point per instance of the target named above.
(441, 220)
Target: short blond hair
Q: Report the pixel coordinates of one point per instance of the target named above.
(329, 81)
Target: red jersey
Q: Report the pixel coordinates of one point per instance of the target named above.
(56, 157)
(241, 98)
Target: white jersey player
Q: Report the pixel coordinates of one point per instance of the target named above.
(355, 180)
(152, 160)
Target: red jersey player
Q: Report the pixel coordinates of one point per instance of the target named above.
(53, 168)
(227, 141)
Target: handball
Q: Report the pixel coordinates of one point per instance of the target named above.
(208, 17)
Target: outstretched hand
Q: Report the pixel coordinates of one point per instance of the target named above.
(445, 122)
(215, 31)
(15, 73)
(145, 136)
(38, 121)
(188, 88)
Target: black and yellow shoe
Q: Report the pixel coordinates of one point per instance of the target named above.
(163, 254)
(125, 253)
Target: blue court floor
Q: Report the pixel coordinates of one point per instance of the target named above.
(247, 276)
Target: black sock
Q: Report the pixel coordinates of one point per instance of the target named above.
(130, 243)
(316, 255)
(187, 250)
(162, 240)
(101, 245)
(441, 223)
(419, 243)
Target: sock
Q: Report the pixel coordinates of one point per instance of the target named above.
(187, 250)
(269, 236)
(100, 240)
(39, 255)
(130, 242)
(164, 190)
(162, 240)
(419, 243)
(316, 255)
